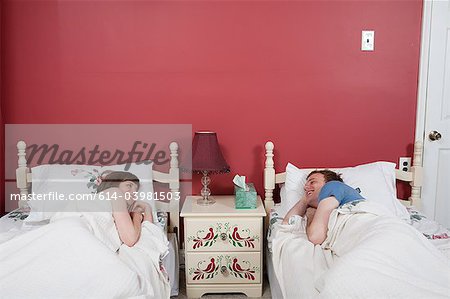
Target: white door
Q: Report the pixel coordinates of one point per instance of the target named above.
(436, 159)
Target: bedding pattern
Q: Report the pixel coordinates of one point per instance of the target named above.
(11, 225)
(367, 254)
(70, 252)
(437, 234)
(430, 229)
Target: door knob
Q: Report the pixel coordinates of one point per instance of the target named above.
(434, 135)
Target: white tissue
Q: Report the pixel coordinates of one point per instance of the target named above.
(240, 182)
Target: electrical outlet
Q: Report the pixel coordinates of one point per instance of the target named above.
(404, 164)
(367, 40)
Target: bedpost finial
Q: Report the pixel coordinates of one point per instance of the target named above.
(21, 145)
(173, 146)
(418, 152)
(269, 146)
(418, 146)
(173, 155)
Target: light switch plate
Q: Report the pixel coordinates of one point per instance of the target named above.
(367, 40)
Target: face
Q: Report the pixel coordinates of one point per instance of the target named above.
(313, 186)
(128, 187)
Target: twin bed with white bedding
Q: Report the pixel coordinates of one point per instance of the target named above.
(47, 253)
(376, 248)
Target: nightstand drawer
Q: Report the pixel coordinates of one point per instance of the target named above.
(223, 234)
(223, 267)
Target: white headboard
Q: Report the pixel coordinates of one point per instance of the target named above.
(172, 178)
(414, 177)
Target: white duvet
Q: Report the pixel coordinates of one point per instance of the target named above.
(79, 255)
(367, 254)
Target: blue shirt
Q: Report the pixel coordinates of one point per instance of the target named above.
(342, 192)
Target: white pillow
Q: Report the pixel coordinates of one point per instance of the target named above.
(52, 181)
(292, 190)
(70, 180)
(376, 182)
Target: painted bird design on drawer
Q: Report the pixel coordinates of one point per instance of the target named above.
(247, 273)
(248, 241)
(207, 239)
(208, 271)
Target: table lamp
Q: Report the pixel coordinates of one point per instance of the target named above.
(207, 158)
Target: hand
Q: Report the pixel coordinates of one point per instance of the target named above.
(138, 216)
(137, 209)
(145, 208)
(298, 209)
(141, 206)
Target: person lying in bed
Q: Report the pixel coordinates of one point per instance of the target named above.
(128, 213)
(324, 192)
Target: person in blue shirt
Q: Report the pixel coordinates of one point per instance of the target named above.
(324, 192)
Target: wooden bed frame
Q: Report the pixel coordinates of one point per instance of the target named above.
(414, 177)
(24, 180)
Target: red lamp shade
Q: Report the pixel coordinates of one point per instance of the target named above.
(206, 154)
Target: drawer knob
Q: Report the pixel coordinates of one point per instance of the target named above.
(224, 270)
(223, 236)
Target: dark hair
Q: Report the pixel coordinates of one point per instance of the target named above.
(114, 178)
(328, 175)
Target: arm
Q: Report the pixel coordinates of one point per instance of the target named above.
(128, 225)
(298, 209)
(310, 212)
(137, 219)
(148, 216)
(144, 207)
(317, 228)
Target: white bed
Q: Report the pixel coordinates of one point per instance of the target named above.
(435, 233)
(12, 225)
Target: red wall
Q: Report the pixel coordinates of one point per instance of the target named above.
(2, 167)
(287, 71)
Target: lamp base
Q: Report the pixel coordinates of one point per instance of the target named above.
(205, 201)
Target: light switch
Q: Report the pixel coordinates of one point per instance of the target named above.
(367, 40)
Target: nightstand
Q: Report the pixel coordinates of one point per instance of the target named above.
(223, 247)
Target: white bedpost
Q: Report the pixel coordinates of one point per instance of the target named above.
(269, 178)
(417, 172)
(174, 186)
(22, 173)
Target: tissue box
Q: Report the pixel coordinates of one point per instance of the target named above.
(245, 199)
